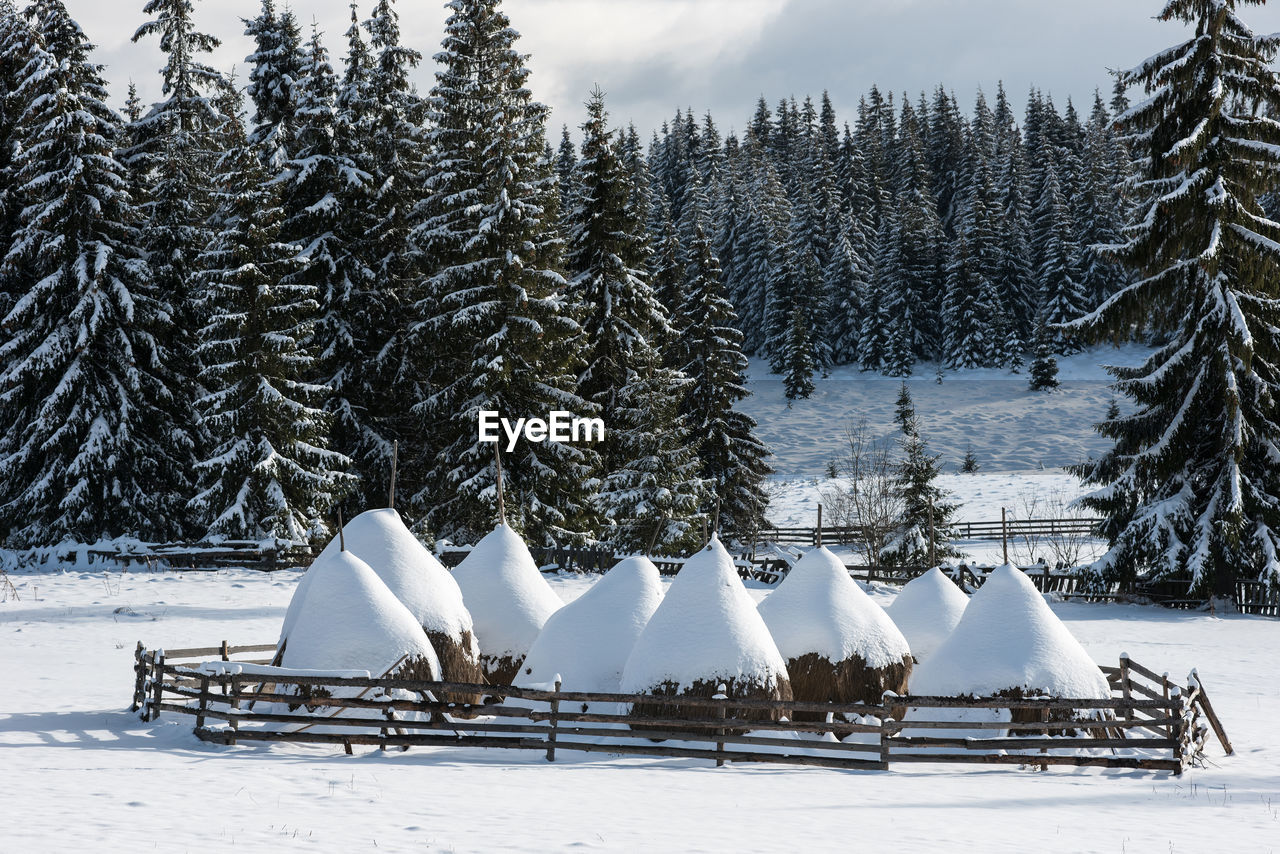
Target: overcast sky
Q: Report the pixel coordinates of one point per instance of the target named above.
(652, 56)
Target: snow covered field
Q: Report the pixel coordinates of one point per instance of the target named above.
(83, 774)
(1010, 428)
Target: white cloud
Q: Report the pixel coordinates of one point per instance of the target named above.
(652, 56)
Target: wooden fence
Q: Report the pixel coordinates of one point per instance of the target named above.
(992, 531)
(1148, 723)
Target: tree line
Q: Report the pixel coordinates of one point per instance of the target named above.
(222, 318)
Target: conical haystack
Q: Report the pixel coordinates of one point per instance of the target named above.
(927, 610)
(840, 646)
(427, 589)
(347, 619)
(588, 641)
(1009, 643)
(509, 601)
(706, 632)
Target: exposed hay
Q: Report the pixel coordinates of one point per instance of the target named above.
(734, 690)
(814, 679)
(500, 669)
(457, 664)
(418, 667)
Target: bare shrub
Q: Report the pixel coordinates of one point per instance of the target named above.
(870, 498)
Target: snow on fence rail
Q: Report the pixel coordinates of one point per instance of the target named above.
(1149, 723)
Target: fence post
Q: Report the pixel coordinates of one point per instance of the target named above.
(204, 702)
(721, 694)
(140, 677)
(1205, 706)
(157, 685)
(886, 729)
(554, 720)
(235, 706)
(1179, 732)
(226, 651)
(1124, 685)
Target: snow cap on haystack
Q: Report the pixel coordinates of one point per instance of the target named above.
(347, 619)
(588, 641)
(927, 610)
(706, 631)
(427, 589)
(508, 598)
(1010, 641)
(839, 645)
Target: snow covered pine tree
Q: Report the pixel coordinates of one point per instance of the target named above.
(1189, 491)
(89, 447)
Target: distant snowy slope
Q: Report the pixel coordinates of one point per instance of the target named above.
(1009, 427)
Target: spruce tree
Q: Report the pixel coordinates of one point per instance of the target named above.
(1062, 299)
(270, 473)
(171, 153)
(798, 364)
(650, 471)
(733, 459)
(494, 294)
(325, 198)
(925, 504)
(1043, 373)
(1188, 491)
(966, 311)
(276, 66)
(17, 48)
(90, 447)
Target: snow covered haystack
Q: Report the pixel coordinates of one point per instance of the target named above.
(1010, 644)
(839, 645)
(927, 610)
(427, 589)
(587, 642)
(343, 617)
(706, 632)
(509, 601)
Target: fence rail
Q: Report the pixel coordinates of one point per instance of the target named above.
(995, 530)
(1149, 723)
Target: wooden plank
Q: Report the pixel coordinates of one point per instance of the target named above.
(1203, 700)
(672, 752)
(1028, 726)
(1005, 759)
(1111, 704)
(1032, 743)
(839, 728)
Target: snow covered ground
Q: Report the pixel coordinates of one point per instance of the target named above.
(83, 774)
(1009, 428)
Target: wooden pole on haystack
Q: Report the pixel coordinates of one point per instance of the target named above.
(395, 458)
(1004, 533)
(817, 532)
(342, 539)
(497, 462)
(933, 543)
(653, 539)
(715, 526)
